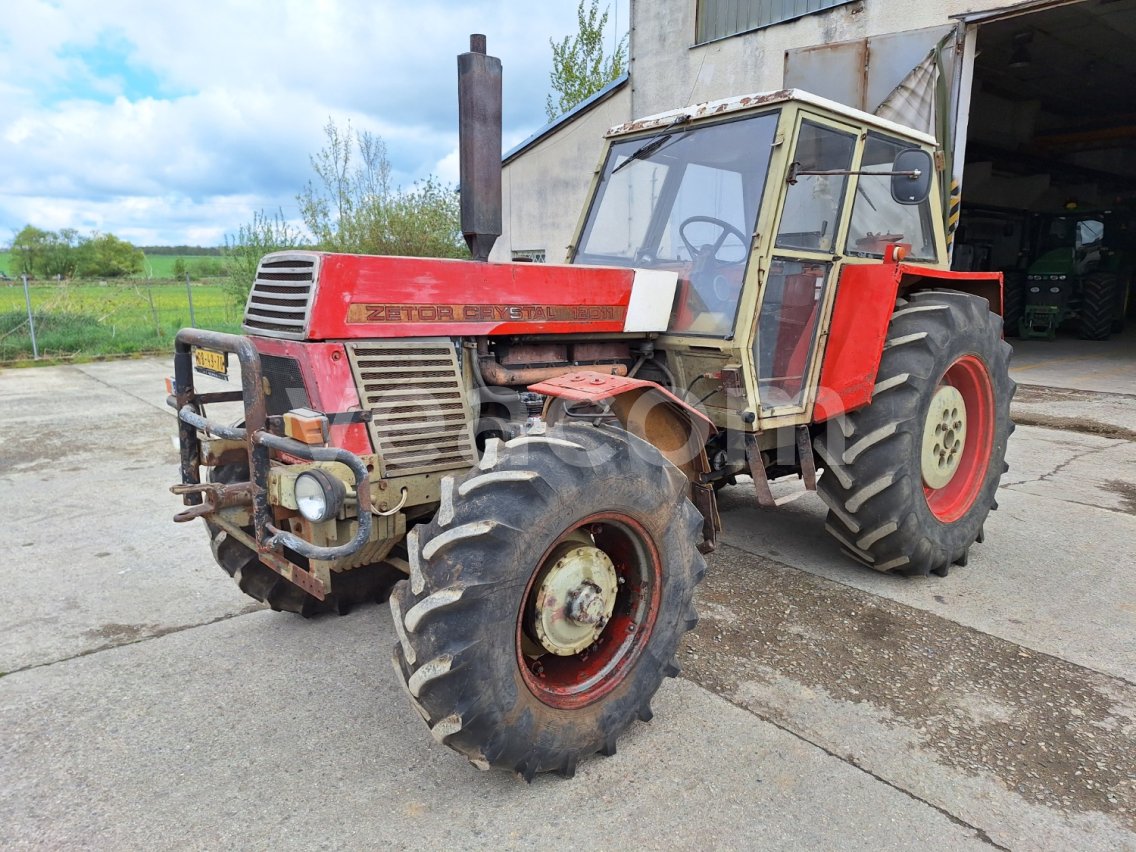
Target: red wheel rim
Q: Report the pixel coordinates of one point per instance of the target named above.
(580, 679)
(969, 376)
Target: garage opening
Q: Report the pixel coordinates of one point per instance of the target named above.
(1049, 193)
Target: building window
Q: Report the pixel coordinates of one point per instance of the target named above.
(529, 255)
(721, 18)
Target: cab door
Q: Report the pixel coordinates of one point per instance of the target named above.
(803, 262)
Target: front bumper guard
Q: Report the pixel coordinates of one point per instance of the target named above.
(205, 499)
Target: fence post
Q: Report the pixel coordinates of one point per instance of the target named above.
(31, 319)
(154, 312)
(189, 295)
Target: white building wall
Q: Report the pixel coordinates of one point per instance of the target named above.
(669, 70)
(544, 188)
(546, 185)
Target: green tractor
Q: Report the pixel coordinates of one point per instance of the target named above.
(1082, 275)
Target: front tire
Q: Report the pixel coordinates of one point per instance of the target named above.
(910, 479)
(547, 598)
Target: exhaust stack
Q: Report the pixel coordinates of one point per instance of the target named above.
(479, 142)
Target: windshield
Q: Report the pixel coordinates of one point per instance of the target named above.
(687, 201)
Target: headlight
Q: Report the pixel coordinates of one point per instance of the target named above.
(319, 496)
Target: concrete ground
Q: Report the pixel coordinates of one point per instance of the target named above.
(148, 703)
(1108, 366)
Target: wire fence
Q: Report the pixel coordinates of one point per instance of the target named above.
(62, 320)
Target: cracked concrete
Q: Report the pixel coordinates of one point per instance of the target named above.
(820, 700)
(1018, 744)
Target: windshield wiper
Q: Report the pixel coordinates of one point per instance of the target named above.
(644, 151)
(652, 146)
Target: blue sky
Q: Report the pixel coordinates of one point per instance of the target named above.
(171, 123)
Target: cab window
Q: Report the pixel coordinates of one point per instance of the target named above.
(877, 218)
(812, 202)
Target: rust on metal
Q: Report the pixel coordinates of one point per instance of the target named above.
(523, 354)
(757, 471)
(286, 569)
(595, 386)
(707, 108)
(215, 496)
(593, 353)
(479, 143)
(645, 409)
(805, 454)
(191, 415)
(495, 373)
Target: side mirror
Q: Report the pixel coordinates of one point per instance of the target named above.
(911, 176)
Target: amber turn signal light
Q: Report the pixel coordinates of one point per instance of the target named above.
(305, 426)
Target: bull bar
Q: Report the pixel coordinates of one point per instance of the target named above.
(269, 540)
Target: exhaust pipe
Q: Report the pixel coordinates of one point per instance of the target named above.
(479, 144)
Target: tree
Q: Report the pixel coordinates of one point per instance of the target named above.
(63, 254)
(60, 255)
(106, 256)
(264, 234)
(580, 66)
(344, 206)
(423, 221)
(28, 248)
(352, 207)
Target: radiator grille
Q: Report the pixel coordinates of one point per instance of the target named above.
(414, 388)
(282, 294)
(285, 384)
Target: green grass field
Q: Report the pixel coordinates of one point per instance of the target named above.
(79, 320)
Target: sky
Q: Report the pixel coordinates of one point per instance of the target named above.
(171, 123)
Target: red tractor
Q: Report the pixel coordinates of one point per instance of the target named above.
(758, 286)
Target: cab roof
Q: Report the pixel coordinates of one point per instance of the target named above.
(763, 99)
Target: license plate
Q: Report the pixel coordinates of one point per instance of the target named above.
(211, 363)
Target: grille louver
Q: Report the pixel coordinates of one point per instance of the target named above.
(284, 384)
(282, 295)
(414, 388)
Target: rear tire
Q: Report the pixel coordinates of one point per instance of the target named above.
(910, 479)
(368, 583)
(470, 651)
(1099, 299)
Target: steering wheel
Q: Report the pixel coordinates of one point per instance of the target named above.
(710, 291)
(726, 228)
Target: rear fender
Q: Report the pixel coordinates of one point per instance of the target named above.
(865, 301)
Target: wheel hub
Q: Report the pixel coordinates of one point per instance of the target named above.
(575, 598)
(944, 436)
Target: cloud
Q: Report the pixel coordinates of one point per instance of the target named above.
(165, 119)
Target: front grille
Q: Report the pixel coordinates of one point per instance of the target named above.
(414, 388)
(285, 384)
(282, 294)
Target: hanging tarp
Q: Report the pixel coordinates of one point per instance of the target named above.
(921, 100)
(912, 102)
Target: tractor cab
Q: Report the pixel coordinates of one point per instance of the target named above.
(758, 204)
